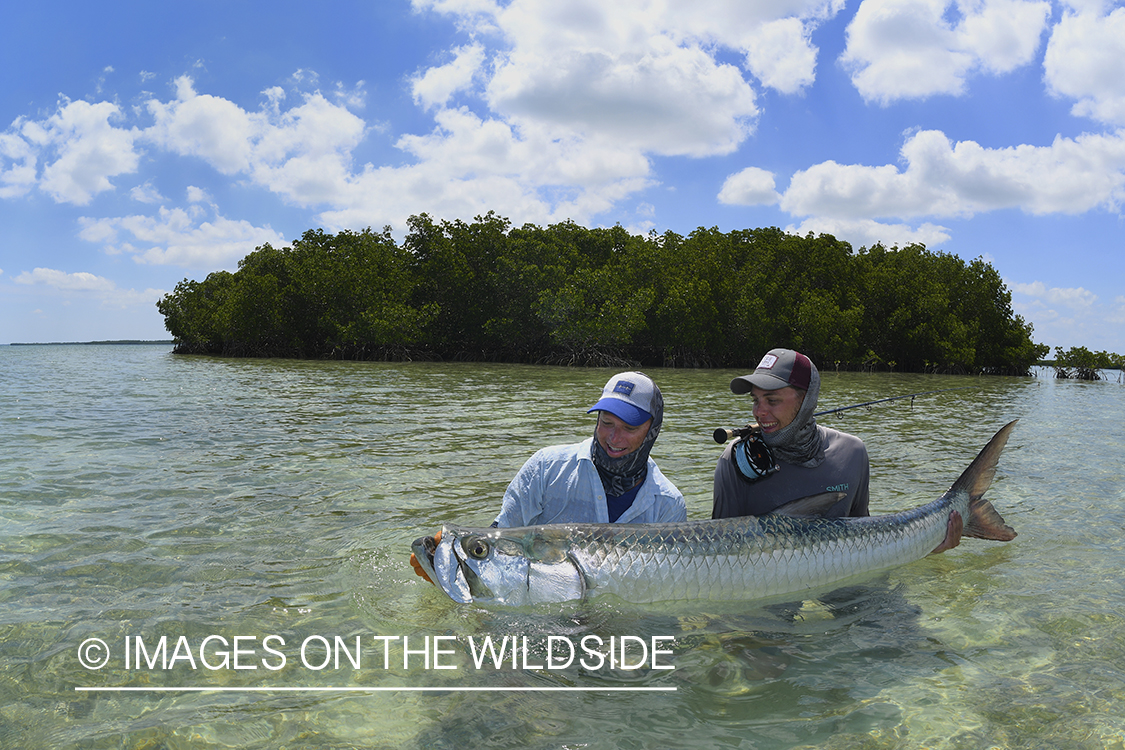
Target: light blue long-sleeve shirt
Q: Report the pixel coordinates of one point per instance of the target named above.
(560, 484)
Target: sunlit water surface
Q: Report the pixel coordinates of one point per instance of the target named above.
(146, 496)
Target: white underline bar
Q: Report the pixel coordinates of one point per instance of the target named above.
(374, 689)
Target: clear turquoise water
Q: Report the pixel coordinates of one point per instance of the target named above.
(144, 495)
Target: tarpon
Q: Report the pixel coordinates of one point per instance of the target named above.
(733, 559)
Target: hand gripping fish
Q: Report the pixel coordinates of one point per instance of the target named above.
(732, 559)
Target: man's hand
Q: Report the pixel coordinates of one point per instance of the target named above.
(417, 565)
(952, 533)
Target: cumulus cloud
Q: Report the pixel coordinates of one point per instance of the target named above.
(868, 232)
(17, 164)
(179, 237)
(942, 178)
(302, 153)
(782, 56)
(750, 187)
(1069, 316)
(665, 98)
(81, 149)
(101, 288)
(435, 86)
(578, 97)
(909, 49)
(646, 75)
(1084, 62)
(468, 165)
(81, 281)
(1074, 298)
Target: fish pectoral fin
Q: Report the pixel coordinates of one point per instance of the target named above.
(555, 582)
(813, 505)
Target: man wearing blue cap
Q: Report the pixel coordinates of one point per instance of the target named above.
(608, 478)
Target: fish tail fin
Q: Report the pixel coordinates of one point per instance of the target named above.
(984, 521)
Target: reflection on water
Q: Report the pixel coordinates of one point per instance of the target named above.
(145, 496)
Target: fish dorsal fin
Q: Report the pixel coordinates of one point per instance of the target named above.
(984, 521)
(813, 505)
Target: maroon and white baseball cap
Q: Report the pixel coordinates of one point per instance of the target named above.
(778, 369)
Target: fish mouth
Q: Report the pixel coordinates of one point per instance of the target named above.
(423, 549)
(436, 556)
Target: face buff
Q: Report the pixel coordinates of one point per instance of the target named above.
(619, 475)
(799, 442)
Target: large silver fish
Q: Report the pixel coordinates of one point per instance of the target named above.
(734, 559)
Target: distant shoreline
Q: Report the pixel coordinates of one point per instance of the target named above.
(169, 342)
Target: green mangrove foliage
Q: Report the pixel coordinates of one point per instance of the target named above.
(565, 294)
(1082, 364)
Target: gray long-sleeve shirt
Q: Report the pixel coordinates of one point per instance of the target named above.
(845, 469)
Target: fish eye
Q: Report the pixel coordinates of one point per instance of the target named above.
(476, 547)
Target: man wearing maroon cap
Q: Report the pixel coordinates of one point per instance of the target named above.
(803, 458)
(791, 457)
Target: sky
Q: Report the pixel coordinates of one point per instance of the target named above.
(143, 143)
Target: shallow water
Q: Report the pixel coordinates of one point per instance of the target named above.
(147, 496)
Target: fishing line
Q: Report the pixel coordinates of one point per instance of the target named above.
(723, 434)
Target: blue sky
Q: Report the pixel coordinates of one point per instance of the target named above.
(143, 143)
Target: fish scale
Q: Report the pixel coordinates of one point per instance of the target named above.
(733, 559)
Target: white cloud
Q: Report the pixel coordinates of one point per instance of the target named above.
(782, 57)
(1068, 316)
(1116, 314)
(71, 282)
(146, 193)
(18, 178)
(303, 153)
(577, 98)
(101, 288)
(866, 232)
(750, 187)
(643, 73)
(580, 95)
(941, 178)
(662, 98)
(1084, 61)
(213, 129)
(469, 165)
(909, 49)
(434, 87)
(1074, 298)
(179, 237)
(86, 151)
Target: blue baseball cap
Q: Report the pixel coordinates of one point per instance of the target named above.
(629, 397)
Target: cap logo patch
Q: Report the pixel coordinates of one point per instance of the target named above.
(767, 362)
(624, 387)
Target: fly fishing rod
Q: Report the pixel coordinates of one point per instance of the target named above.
(723, 434)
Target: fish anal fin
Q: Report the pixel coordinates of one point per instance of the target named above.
(985, 522)
(812, 505)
